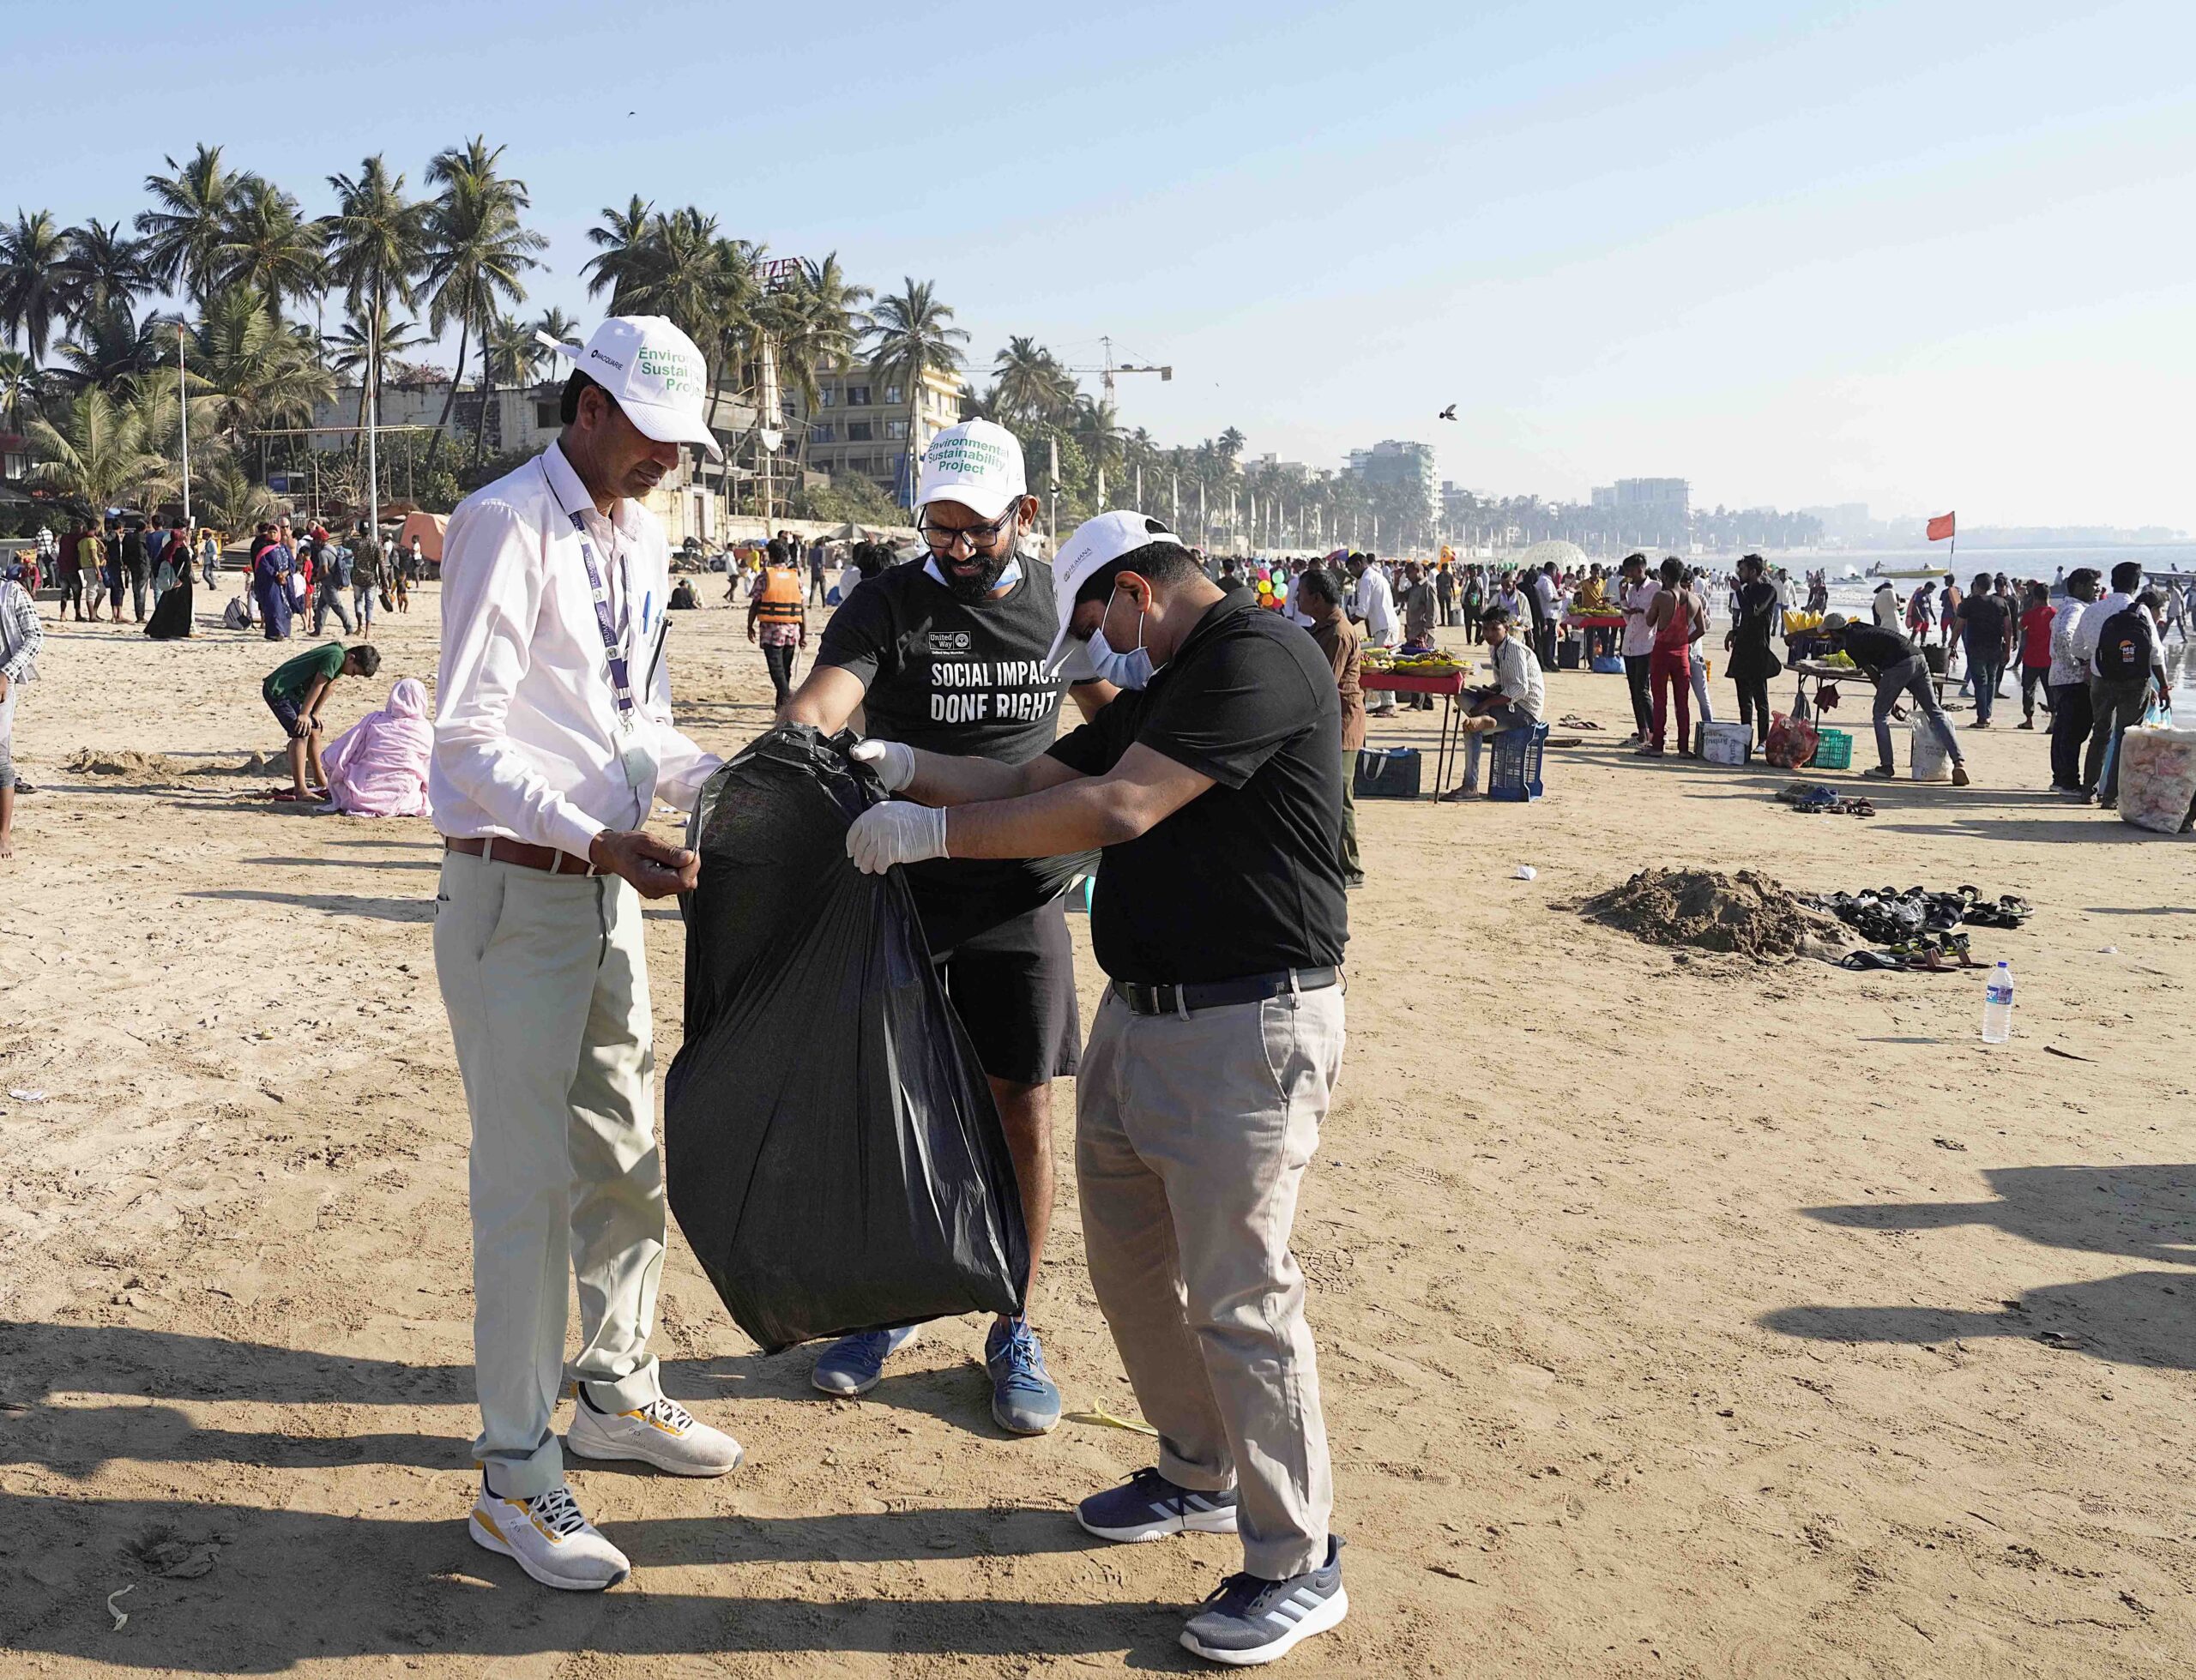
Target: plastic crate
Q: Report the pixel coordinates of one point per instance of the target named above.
(1515, 770)
(1833, 750)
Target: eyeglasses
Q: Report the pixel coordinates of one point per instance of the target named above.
(941, 540)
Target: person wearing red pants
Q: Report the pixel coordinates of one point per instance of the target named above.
(1670, 615)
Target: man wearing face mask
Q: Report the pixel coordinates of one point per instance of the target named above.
(950, 656)
(1215, 1052)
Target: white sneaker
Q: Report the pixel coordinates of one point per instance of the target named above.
(662, 1433)
(549, 1539)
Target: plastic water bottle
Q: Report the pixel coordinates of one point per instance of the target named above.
(1998, 1005)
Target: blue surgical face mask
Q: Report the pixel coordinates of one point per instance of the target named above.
(1132, 669)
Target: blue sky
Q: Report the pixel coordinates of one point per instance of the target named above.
(1919, 254)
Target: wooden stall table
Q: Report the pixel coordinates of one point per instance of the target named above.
(1448, 686)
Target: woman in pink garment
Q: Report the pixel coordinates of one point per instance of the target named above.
(378, 767)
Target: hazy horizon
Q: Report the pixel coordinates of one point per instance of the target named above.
(1922, 256)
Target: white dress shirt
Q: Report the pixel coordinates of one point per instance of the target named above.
(527, 741)
(1374, 602)
(1518, 674)
(2082, 643)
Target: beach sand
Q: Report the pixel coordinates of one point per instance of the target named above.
(1677, 1315)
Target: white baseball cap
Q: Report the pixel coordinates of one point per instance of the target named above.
(1090, 548)
(654, 374)
(978, 464)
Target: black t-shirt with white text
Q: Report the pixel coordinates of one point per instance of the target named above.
(969, 682)
(1245, 878)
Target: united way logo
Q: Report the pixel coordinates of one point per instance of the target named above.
(947, 643)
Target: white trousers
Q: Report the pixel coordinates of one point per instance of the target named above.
(544, 978)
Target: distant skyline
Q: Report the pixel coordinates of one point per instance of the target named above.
(1923, 255)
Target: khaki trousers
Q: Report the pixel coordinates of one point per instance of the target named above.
(546, 981)
(1191, 1139)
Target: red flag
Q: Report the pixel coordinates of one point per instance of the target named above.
(1940, 527)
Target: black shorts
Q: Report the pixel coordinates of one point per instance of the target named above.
(1013, 986)
(285, 713)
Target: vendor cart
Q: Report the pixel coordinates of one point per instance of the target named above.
(1449, 687)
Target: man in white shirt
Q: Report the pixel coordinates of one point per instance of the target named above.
(1634, 593)
(2126, 666)
(1886, 608)
(1547, 619)
(1372, 604)
(1520, 690)
(552, 741)
(2069, 682)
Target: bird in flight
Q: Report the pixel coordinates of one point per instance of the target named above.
(1448, 413)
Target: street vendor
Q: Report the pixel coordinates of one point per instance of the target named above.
(1515, 700)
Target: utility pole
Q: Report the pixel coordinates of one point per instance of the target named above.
(373, 415)
(183, 410)
(1053, 517)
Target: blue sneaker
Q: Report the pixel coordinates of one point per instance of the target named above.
(1149, 1507)
(1249, 1619)
(1024, 1399)
(853, 1365)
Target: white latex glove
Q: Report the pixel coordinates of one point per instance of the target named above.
(895, 833)
(894, 761)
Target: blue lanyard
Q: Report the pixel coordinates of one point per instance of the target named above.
(615, 632)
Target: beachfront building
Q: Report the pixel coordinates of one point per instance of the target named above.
(1657, 512)
(859, 427)
(1405, 465)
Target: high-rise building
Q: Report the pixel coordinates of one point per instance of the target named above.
(1395, 461)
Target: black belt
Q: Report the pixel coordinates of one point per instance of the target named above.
(1182, 1000)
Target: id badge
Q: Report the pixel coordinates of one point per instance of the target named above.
(639, 766)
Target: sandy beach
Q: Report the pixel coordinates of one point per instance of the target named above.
(1679, 1313)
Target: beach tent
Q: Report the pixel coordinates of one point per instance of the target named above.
(428, 528)
(1568, 556)
(848, 531)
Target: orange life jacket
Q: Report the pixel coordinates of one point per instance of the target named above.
(783, 600)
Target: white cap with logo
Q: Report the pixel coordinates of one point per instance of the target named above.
(653, 372)
(978, 464)
(1090, 548)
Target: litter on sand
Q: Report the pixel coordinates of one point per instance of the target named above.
(1525, 872)
(1106, 1420)
(25, 1096)
(119, 1615)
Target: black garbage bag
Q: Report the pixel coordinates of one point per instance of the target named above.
(832, 1153)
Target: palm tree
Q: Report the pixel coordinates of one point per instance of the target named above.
(20, 385)
(92, 450)
(269, 249)
(376, 247)
(110, 347)
(818, 321)
(620, 243)
(223, 498)
(476, 251)
(554, 322)
(103, 274)
(363, 348)
(1099, 435)
(912, 335)
(185, 230)
(1029, 384)
(255, 371)
(32, 296)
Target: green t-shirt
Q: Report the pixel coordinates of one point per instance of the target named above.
(292, 680)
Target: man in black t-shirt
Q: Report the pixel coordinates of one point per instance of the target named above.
(1215, 1051)
(949, 655)
(1985, 623)
(1899, 672)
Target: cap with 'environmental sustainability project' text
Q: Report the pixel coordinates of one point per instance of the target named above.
(1089, 549)
(653, 372)
(978, 464)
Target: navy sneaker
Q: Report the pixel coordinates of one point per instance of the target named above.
(1024, 1399)
(1249, 1619)
(853, 1365)
(1149, 1507)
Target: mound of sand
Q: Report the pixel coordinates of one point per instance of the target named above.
(1746, 913)
(122, 761)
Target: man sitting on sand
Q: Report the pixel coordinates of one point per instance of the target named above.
(294, 691)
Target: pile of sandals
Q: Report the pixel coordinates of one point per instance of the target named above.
(1918, 929)
(1814, 799)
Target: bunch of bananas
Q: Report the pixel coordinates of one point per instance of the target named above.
(1796, 621)
(1425, 664)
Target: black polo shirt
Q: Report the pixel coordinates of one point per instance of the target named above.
(1246, 878)
(1875, 649)
(966, 679)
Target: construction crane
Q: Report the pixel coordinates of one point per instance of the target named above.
(1111, 367)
